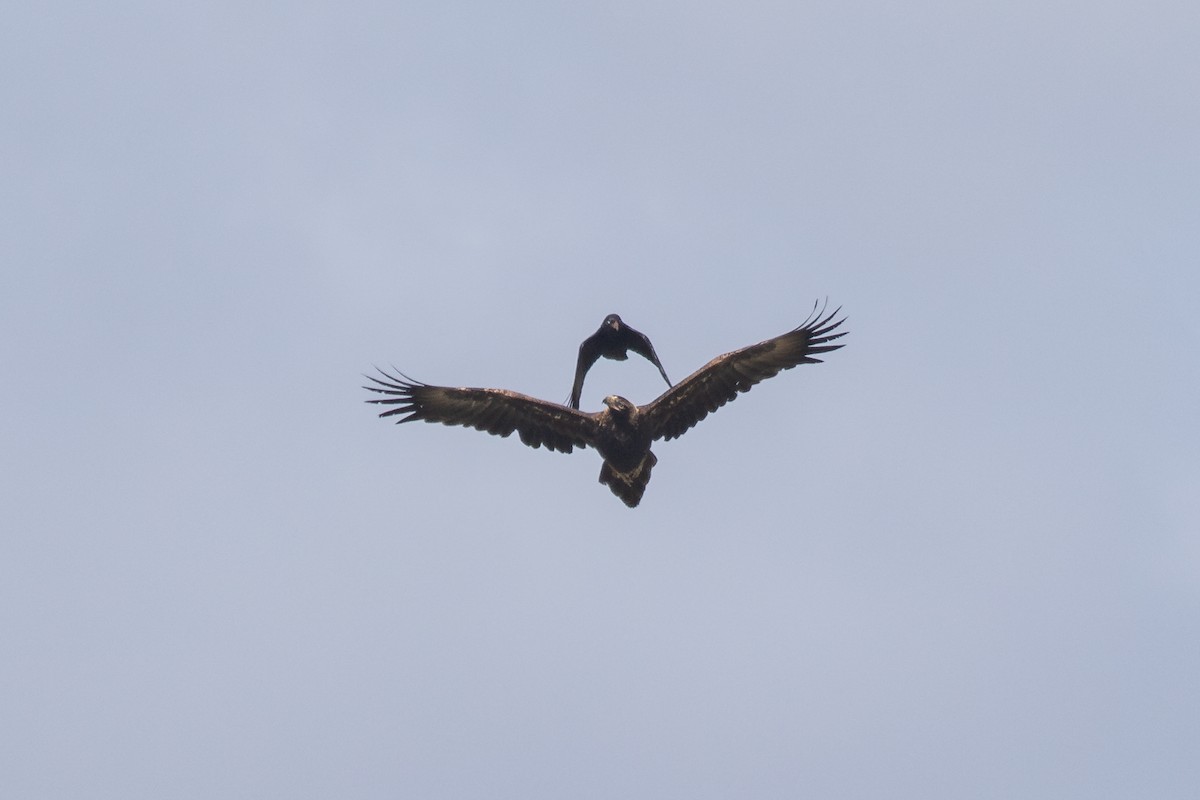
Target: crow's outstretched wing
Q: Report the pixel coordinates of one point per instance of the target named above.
(589, 353)
(639, 343)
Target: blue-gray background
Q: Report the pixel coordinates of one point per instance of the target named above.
(961, 558)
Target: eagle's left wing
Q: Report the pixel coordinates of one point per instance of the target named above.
(495, 411)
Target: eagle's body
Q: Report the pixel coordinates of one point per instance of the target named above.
(622, 432)
(614, 339)
(624, 444)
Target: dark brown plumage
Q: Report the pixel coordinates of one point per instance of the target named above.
(623, 431)
(614, 339)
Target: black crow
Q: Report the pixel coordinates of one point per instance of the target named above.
(613, 340)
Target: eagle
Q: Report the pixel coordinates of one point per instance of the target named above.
(614, 339)
(622, 432)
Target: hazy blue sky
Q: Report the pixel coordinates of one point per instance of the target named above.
(960, 559)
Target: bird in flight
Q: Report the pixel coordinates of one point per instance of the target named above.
(614, 339)
(622, 432)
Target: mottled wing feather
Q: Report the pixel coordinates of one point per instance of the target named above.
(495, 411)
(720, 380)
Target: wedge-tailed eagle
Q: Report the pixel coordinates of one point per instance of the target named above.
(614, 340)
(622, 432)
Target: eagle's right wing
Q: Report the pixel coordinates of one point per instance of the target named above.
(496, 411)
(720, 380)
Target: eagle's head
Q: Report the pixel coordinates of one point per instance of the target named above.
(612, 321)
(620, 407)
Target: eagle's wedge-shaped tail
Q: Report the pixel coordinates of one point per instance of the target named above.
(631, 485)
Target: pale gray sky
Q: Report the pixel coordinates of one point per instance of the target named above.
(959, 559)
